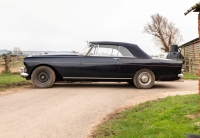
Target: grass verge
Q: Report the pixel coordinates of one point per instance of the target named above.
(190, 76)
(11, 80)
(164, 118)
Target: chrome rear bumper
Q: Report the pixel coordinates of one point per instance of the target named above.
(23, 72)
(180, 75)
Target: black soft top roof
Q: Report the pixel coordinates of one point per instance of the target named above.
(134, 49)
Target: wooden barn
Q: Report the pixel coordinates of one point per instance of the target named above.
(191, 51)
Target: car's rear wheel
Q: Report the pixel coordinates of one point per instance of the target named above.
(43, 77)
(144, 79)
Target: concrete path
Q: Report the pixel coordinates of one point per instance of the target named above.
(72, 110)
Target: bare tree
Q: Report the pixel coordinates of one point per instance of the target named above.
(165, 33)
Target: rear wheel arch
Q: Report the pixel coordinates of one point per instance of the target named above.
(144, 78)
(157, 77)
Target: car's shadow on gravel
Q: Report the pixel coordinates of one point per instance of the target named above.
(164, 86)
(119, 85)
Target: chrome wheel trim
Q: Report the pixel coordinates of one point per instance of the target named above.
(145, 78)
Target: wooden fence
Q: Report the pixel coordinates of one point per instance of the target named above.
(13, 63)
(191, 65)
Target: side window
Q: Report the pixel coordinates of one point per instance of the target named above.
(110, 50)
(104, 50)
(107, 51)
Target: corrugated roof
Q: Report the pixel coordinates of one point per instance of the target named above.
(196, 40)
(197, 5)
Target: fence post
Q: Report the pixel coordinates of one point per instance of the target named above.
(7, 62)
(189, 65)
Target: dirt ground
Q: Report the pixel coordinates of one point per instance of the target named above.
(74, 110)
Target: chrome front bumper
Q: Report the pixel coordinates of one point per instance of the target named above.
(23, 72)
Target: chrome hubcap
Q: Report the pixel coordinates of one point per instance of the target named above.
(144, 78)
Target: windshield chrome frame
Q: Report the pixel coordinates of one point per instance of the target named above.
(92, 45)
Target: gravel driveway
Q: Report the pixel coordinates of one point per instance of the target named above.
(72, 110)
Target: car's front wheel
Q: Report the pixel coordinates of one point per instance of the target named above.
(144, 79)
(43, 77)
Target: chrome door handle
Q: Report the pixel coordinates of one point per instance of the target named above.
(116, 58)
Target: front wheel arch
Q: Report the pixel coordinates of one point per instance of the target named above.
(58, 75)
(43, 77)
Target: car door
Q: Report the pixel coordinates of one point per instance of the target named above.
(100, 63)
(128, 63)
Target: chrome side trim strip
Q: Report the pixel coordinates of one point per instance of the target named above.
(95, 78)
(55, 62)
(99, 63)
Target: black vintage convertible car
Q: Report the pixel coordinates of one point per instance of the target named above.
(101, 61)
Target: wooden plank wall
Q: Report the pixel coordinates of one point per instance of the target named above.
(191, 55)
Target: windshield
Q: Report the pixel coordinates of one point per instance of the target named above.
(85, 49)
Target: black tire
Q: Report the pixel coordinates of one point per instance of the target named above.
(43, 77)
(144, 79)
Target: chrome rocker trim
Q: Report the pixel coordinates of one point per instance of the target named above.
(95, 78)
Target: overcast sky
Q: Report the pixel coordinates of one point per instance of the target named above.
(64, 25)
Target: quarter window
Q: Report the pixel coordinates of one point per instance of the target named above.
(125, 52)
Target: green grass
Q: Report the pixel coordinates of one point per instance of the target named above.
(11, 80)
(190, 76)
(171, 117)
